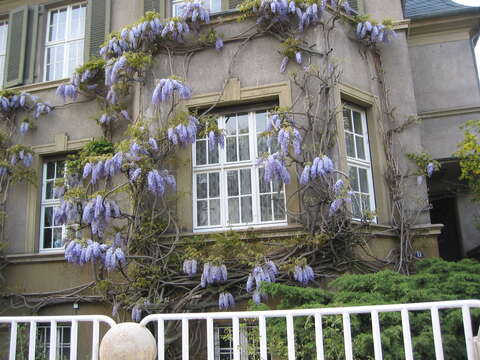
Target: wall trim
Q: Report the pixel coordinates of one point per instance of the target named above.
(40, 86)
(234, 94)
(449, 112)
(35, 258)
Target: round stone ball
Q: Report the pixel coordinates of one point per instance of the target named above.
(127, 341)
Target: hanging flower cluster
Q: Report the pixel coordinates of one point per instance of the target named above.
(375, 33)
(190, 267)
(274, 168)
(287, 133)
(430, 169)
(66, 213)
(98, 213)
(290, 50)
(267, 273)
(321, 166)
(194, 11)
(21, 154)
(303, 274)
(104, 168)
(158, 181)
(213, 274)
(226, 301)
(111, 257)
(182, 134)
(167, 87)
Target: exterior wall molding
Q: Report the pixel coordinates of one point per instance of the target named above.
(234, 94)
(440, 30)
(62, 145)
(35, 258)
(465, 110)
(41, 86)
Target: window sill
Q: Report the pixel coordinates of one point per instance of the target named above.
(40, 86)
(47, 256)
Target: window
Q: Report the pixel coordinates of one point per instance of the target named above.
(229, 178)
(3, 49)
(65, 41)
(50, 234)
(43, 342)
(249, 343)
(214, 6)
(359, 161)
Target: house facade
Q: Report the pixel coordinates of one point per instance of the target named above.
(429, 71)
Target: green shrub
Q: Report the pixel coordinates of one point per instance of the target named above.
(435, 280)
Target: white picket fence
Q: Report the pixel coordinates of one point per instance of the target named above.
(261, 317)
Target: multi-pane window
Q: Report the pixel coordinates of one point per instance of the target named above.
(50, 233)
(65, 41)
(229, 179)
(359, 161)
(249, 343)
(43, 342)
(3, 49)
(214, 6)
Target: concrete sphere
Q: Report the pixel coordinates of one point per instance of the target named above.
(127, 341)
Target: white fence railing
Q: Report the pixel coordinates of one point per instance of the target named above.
(317, 314)
(235, 318)
(52, 322)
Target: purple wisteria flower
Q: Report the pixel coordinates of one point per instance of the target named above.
(175, 29)
(98, 213)
(375, 33)
(66, 212)
(305, 177)
(190, 267)
(283, 64)
(3, 171)
(298, 57)
(104, 168)
(430, 169)
(274, 168)
(137, 313)
(58, 191)
(67, 91)
(184, 134)
(77, 253)
(167, 87)
(226, 301)
(219, 43)
(267, 273)
(303, 274)
(26, 158)
(41, 109)
(337, 187)
(158, 181)
(336, 204)
(114, 258)
(194, 11)
(135, 174)
(216, 138)
(24, 127)
(213, 274)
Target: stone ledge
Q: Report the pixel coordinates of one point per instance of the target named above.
(36, 257)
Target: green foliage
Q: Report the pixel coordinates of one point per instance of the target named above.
(92, 150)
(289, 47)
(469, 154)
(435, 280)
(422, 160)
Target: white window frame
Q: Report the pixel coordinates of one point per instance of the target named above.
(358, 162)
(223, 167)
(66, 42)
(49, 203)
(178, 3)
(63, 348)
(3, 52)
(229, 350)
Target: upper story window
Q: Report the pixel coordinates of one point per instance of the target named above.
(359, 161)
(214, 6)
(65, 41)
(50, 234)
(3, 49)
(229, 178)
